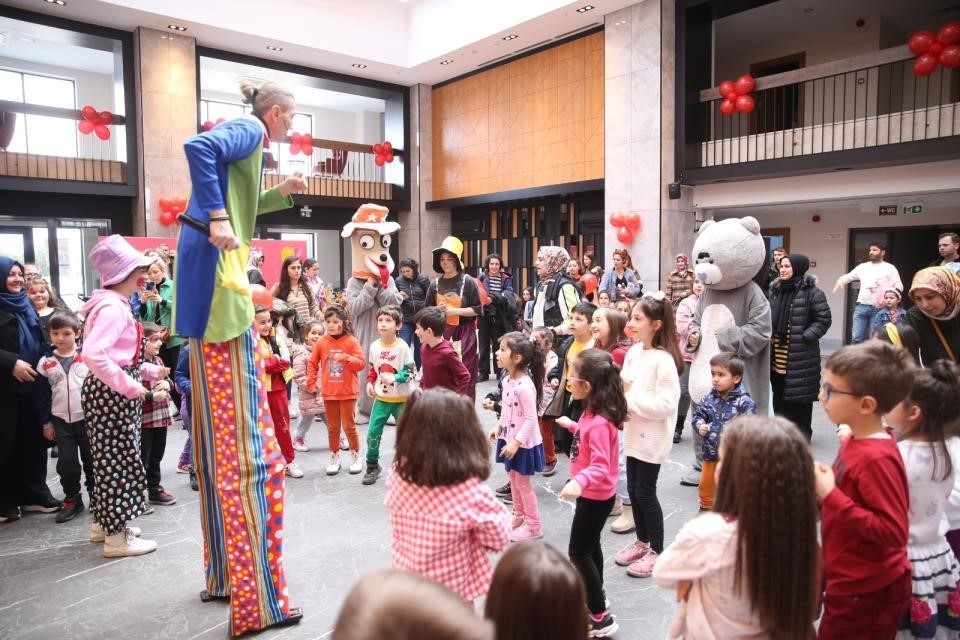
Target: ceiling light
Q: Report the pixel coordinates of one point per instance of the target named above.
(358, 65)
(585, 8)
(512, 36)
(274, 48)
(176, 27)
(56, 2)
(446, 61)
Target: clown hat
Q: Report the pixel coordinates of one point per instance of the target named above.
(450, 245)
(372, 217)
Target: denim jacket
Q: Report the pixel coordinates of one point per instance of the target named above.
(717, 411)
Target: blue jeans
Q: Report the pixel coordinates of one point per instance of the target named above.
(408, 335)
(862, 319)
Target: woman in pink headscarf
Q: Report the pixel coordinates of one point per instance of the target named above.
(935, 316)
(680, 281)
(556, 293)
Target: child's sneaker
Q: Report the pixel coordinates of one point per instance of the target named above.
(72, 506)
(502, 491)
(300, 445)
(294, 471)
(605, 627)
(525, 532)
(373, 472)
(643, 568)
(127, 544)
(161, 497)
(631, 553)
(516, 521)
(184, 468)
(194, 483)
(549, 469)
(334, 467)
(356, 464)
(97, 536)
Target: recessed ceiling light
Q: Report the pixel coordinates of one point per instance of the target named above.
(585, 8)
(56, 2)
(273, 48)
(446, 61)
(176, 27)
(358, 65)
(512, 36)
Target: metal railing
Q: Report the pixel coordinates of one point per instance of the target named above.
(863, 107)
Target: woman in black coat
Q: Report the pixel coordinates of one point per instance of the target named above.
(412, 286)
(801, 316)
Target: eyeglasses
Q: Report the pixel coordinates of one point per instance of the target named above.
(827, 389)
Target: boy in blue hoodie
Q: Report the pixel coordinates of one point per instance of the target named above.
(726, 401)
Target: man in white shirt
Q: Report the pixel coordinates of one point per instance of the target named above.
(875, 276)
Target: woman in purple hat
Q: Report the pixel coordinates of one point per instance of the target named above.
(112, 397)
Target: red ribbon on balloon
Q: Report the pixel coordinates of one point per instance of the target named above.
(736, 95)
(95, 122)
(210, 124)
(383, 153)
(301, 143)
(171, 208)
(626, 224)
(933, 50)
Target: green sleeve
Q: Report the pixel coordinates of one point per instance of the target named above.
(271, 200)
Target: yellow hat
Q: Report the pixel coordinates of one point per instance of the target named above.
(452, 245)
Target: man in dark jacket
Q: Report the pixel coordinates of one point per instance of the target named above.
(413, 289)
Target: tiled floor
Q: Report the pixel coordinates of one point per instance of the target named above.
(55, 584)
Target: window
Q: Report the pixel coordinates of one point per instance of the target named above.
(41, 134)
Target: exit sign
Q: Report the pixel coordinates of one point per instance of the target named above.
(912, 208)
(888, 209)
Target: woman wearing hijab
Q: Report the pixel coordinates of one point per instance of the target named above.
(936, 313)
(680, 281)
(26, 401)
(556, 292)
(801, 316)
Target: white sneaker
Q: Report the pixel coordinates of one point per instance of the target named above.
(334, 467)
(356, 464)
(300, 445)
(97, 535)
(294, 471)
(127, 544)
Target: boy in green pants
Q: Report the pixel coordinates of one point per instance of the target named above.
(391, 366)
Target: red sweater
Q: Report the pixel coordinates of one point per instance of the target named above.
(865, 519)
(443, 368)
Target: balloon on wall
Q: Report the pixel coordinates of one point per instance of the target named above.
(171, 208)
(301, 143)
(93, 121)
(933, 50)
(735, 95)
(625, 235)
(383, 153)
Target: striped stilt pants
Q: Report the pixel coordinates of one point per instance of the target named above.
(240, 472)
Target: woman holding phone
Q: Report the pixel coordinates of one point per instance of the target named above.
(156, 306)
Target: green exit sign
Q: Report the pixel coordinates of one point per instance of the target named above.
(912, 208)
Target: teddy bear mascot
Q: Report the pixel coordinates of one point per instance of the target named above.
(370, 286)
(733, 314)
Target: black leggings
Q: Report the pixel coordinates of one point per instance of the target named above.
(584, 550)
(647, 514)
(799, 413)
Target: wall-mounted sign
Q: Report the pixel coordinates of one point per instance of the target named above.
(888, 209)
(912, 208)
(834, 236)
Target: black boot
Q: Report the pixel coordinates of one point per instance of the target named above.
(678, 431)
(373, 472)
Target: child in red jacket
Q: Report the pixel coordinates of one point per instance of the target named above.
(276, 362)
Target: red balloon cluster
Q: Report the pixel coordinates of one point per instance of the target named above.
(210, 124)
(301, 143)
(626, 224)
(736, 95)
(936, 49)
(383, 153)
(171, 208)
(95, 122)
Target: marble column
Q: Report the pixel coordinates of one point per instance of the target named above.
(422, 230)
(166, 88)
(639, 103)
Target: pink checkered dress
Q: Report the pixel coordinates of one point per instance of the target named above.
(445, 533)
(156, 415)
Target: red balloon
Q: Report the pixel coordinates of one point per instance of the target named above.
(261, 296)
(306, 144)
(920, 41)
(166, 204)
(89, 113)
(207, 125)
(387, 147)
(180, 204)
(631, 221)
(925, 65)
(295, 138)
(744, 104)
(105, 118)
(167, 218)
(935, 49)
(950, 57)
(102, 132)
(617, 219)
(378, 149)
(294, 148)
(625, 235)
(744, 84)
(85, 127)
(379, 160)
(726, 87)
(589, 283)
(727, 107)
(389, 157)
(949, 34)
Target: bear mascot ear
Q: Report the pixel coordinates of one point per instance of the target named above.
(751, 224)
(706, 225)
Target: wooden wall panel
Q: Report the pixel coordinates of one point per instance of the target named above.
(533, 122)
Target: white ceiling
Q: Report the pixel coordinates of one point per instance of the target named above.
(400, 42)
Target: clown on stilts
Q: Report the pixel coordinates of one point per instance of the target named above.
(238, 461)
